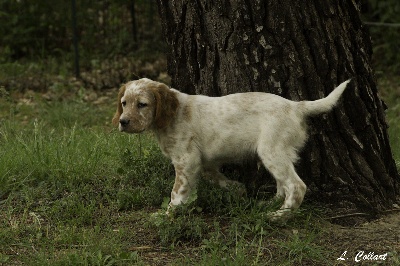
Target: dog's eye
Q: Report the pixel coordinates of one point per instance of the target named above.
(123, 103)
(141, 105)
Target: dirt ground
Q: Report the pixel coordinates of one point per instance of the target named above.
(360, 244)
(372, 243)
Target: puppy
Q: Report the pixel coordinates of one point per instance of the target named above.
(200, 133)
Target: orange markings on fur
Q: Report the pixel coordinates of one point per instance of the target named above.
(166, 105)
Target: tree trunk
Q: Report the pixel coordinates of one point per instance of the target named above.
(300, 50)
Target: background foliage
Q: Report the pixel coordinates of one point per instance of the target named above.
(385, 38)
(42, 28)
(114, 31)
(115, 38)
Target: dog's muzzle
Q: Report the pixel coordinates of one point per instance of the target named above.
(124, 122)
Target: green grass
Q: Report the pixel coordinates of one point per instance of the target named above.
(75, 192)
(63, 183)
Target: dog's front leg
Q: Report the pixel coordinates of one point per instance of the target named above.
(186, 178)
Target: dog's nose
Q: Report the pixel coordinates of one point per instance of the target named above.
(124, 122)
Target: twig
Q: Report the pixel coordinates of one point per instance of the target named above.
(358, 214)
(140, 248)
(147, 248)
(393, 210)
(348, 215)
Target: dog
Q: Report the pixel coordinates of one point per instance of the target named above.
(200, 133)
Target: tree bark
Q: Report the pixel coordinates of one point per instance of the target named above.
(300, 50)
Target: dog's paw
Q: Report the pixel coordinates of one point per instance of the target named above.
(280, 216)
(271, 204)
(158, 214)
(159, 217)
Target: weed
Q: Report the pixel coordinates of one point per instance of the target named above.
(147, 175)
(183, 224)
(301, 249)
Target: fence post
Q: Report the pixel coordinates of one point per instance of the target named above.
(133, 17)
(75, 40)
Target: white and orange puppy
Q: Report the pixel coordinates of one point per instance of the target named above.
(200, 133)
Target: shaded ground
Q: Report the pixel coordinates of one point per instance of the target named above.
(357, 245)
(380, 236)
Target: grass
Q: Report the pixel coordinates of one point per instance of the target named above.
(75, 192)
(61, 191)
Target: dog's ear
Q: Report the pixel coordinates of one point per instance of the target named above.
(118, 113)
(166, 105)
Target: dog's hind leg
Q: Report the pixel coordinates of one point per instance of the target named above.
(214, 176)
(289, 185)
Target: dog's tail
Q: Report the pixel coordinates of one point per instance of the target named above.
(325, 104)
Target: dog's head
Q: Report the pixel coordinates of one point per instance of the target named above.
(144, 105)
